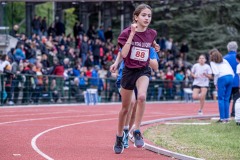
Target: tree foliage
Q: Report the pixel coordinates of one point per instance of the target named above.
(204, 25)
(14, 14)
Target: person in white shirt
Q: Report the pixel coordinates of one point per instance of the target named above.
(201, 72)
(223, 81)
(237, 113)
(238, 66)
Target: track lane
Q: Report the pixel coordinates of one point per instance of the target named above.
(83, 141)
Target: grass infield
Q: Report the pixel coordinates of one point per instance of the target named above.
(214, 141)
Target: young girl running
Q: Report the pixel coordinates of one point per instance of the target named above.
(201, 72)
(135, 42)
(153, 63)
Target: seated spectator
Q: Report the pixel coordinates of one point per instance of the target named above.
(89, 62)
(82, 81)
(15, 30)
(19, 54)
(37, 92)
(76, 70)
(28, 83)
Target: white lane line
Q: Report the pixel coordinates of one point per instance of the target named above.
(33, 142)
(37, 119)
(35, 114)
(172, 123)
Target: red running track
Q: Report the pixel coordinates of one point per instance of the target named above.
(77, 132)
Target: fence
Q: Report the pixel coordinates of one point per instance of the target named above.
(27, 89)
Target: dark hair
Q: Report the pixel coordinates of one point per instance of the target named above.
(139, 9)
(4, 57)
(238, 56)
(215, 56)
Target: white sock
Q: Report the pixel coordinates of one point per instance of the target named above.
(126, 127)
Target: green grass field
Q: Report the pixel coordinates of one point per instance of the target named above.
(212, 142)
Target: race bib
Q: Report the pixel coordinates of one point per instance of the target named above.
(139, 54)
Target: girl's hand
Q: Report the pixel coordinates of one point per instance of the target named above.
(156, 46)
(133, 28)
(113, 68)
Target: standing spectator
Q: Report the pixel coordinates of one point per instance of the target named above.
(81, 30)
(109, 34)
(169, 44)
(36, 24)
(40, 26)
(61, 54)
(44, 26)
(201, 72)
(231, 58)
(96, 51)
(5, 67)
(223, 81)
(17, 80)
(54, 91)
(237, 118)
(45, 62)
(100, 33)
(58, 71)
(75, 29)
(60, 27)
(84, 49)
(184, 50)
(91, 33)
(169, 77)
(51, 30)
(162, 44)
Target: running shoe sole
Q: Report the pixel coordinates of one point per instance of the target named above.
(118, 153)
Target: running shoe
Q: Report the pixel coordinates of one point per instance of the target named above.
(221, 121)
(125, 139)
(138, 139)
(118, 146)
(200, 112)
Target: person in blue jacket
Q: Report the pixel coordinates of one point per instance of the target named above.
(231, 58)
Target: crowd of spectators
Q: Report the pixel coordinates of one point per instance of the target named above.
(49, 64)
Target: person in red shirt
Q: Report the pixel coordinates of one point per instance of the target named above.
(58, 71)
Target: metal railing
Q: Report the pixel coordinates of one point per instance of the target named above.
(27, 89)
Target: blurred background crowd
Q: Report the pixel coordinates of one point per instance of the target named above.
(49, 64)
